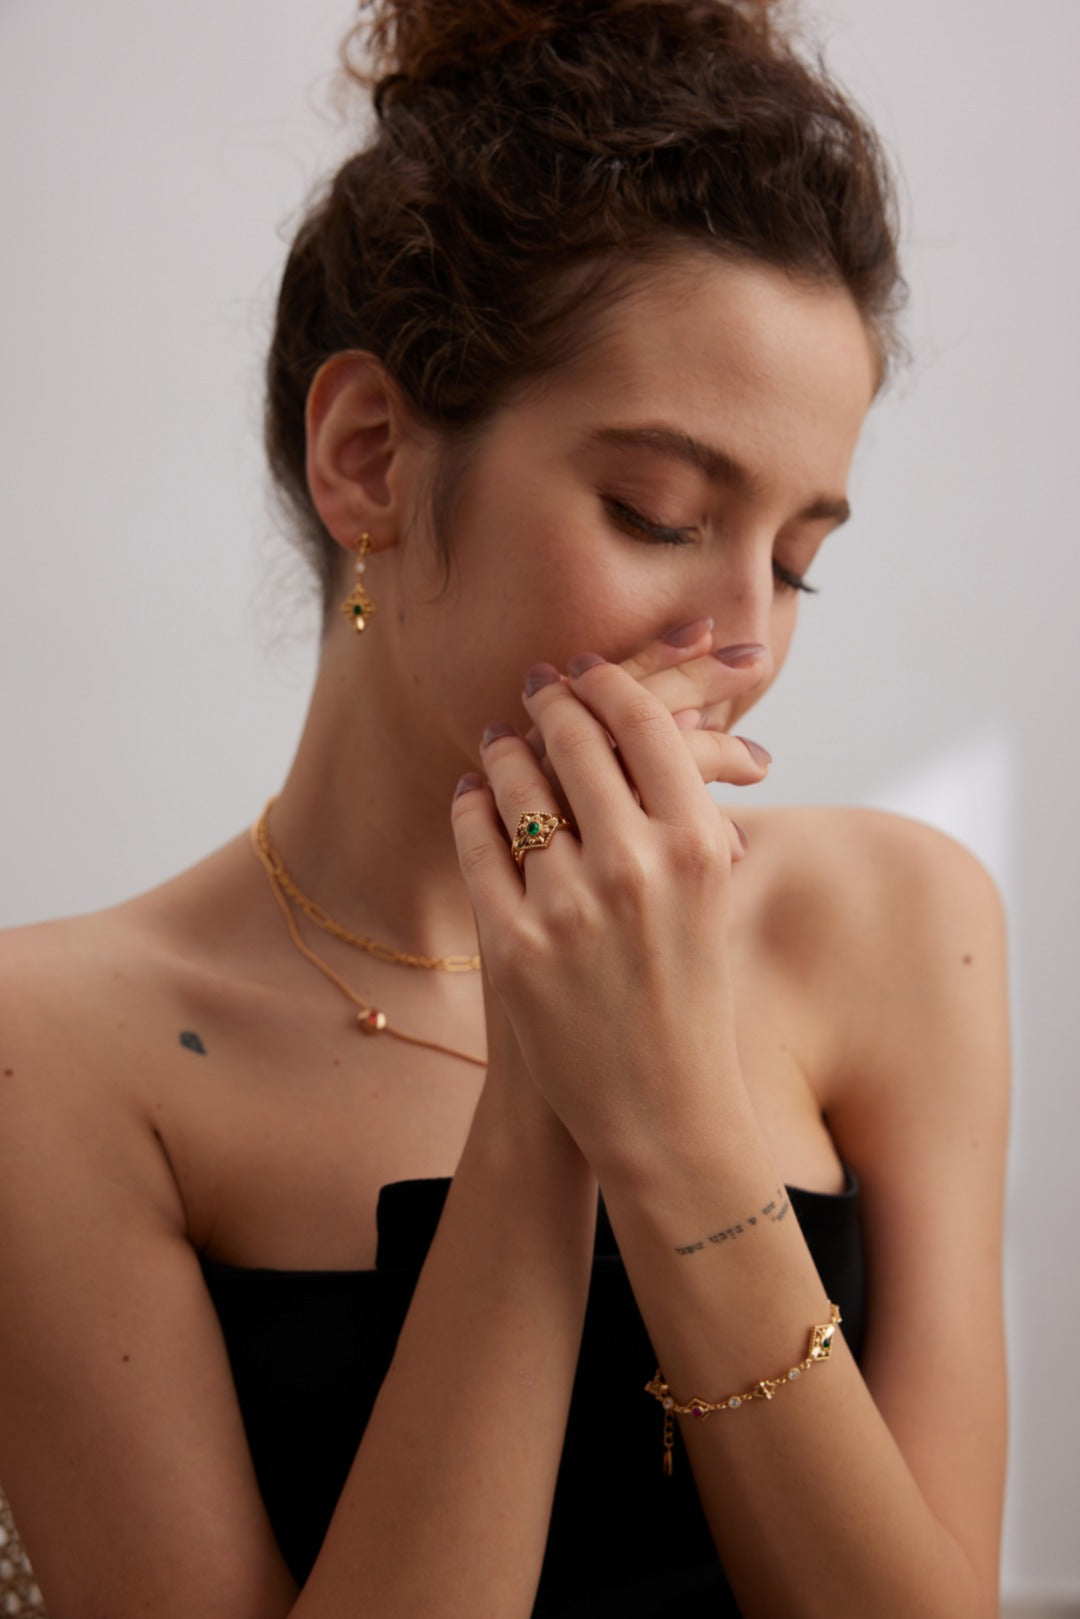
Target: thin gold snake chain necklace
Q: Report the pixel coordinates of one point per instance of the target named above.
(369, 1019)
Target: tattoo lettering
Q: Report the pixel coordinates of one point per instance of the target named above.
(772, 1212)
(190, 1040)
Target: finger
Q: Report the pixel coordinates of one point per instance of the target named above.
(493, 885)
(740, 842)
(535, 743)
(688, 676)
(719, 757)
(521, 791)
(652, 756)
(688, 719)
(706, 683)
(675, 646)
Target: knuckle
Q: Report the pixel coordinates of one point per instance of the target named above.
(571, 739)
(521, 795)
(701, 852)
(624, 875)
(643, 712)
(566, 913)
(521, 952)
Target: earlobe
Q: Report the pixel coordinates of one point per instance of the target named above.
(354, 431)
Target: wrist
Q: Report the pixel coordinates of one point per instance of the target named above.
(519, 1125)
(687, 1144)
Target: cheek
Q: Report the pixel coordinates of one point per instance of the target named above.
(785, 617)
(559, 590)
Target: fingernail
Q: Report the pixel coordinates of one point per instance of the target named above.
(494, 731)
(541, 674)
(760, 755)
(584, 660)
(737, 656)
(469, 782)
(743, 839)
(687, 634)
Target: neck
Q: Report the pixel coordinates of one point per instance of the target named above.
(363, 821)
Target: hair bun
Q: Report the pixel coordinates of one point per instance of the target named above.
(400, 46)
(407, 44)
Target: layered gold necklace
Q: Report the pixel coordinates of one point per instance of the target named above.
(369, 1019)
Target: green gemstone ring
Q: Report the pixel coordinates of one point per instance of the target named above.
(535, 830)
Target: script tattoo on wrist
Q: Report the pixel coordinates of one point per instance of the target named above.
(770, 1213)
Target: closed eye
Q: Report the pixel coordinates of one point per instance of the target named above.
(786, 580)
(626, 517)
(636, 522)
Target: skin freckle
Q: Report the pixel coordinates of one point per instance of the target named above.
(967, 960)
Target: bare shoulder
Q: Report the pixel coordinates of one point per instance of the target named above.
(92, 1012)
(855, 859)
(69, 1074)
(894, 935)
(890, 919)
(83, 994)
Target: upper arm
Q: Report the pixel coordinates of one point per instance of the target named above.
(923, 1114)
(122, 1449)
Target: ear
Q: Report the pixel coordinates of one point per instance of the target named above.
(356, 437)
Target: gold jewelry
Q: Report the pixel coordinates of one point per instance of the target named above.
(535, 830)
(818, 1349)
(369, 1019)
(358, 605)
(382, 952)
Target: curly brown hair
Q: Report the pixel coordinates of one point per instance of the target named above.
(515, 141)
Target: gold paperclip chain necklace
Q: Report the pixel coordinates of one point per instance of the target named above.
(382, 952)
(369, 1019)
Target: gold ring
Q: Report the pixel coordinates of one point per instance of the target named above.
(535, 830)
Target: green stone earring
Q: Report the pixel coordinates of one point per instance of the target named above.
(358, 605)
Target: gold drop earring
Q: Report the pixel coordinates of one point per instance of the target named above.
(358, 605)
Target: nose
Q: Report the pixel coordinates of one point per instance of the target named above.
(741, 602)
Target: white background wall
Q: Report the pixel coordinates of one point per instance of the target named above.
(156, 644)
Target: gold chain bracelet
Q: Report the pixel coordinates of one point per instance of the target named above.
(818, 1349)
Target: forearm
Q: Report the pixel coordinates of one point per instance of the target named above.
(811, 1503)
(446, 1509)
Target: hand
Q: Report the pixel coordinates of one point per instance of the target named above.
(609, 947)
(697, 690)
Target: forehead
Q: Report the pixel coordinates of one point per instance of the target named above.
(780, 371)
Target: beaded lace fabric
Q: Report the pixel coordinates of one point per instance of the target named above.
(19, 1593)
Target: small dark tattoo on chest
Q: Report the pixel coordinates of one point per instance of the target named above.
(190, 1040)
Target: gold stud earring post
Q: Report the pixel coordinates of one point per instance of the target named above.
(358, 605)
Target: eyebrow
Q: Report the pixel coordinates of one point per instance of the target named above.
(718, 465)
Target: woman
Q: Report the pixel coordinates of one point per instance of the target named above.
(572, 361)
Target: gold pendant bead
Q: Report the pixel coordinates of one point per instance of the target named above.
(371, 1021)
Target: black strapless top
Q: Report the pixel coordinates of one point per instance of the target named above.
(309, 1351)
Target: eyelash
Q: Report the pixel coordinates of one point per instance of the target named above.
(633, 520)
